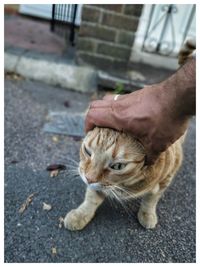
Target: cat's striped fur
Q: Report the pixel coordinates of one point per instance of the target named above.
(100, 150)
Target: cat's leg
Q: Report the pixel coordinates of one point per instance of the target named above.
(147, 213)
(78, 218)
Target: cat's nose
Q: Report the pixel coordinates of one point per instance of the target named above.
(90, 179)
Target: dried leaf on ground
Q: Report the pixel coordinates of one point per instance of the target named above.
(53, 250)
(77, 138)
(55, 139)
(14, 161)
(54, 169)
(67, 103)
(61, 222)
(46, 206)
(13, 76)
(26, 203)
(54, 173)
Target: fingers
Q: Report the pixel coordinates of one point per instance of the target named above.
(109, 97)
(100, 113)
(99, 104)
(98, 117)
(112, 97)
(97, 114)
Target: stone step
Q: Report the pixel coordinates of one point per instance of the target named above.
(106, 80)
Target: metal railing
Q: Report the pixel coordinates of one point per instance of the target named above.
(63, 20)
(164, 25)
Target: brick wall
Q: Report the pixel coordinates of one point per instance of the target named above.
(106, 35)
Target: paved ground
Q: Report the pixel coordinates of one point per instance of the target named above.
(114, 235)
(32, 34)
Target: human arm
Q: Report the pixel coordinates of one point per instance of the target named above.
(156, 115)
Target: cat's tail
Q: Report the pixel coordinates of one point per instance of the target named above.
(186, 50)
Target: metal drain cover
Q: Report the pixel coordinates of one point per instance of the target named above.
(65, 123)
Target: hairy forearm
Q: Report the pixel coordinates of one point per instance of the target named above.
(180, 90)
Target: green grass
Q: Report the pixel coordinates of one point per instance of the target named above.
(119, 89)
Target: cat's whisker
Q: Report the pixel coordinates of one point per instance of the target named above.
(71, 165)
(113, 191)
(120, 200)
(71, 168)
(71, 173)
(130, 194)
(126, 207)
(74, 173)
(113, 194)
(110, 199)
(73, 161)
(75, 176)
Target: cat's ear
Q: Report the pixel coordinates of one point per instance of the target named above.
(187, 50)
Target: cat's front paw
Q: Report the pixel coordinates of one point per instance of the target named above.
(147, 220)
(76, 220)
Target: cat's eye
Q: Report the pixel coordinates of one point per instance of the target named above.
(118, 166)
(87, 151)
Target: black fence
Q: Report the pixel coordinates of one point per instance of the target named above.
(63, 21)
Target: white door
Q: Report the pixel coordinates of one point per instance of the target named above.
(42, 11)
(45, 11)
(161, 32)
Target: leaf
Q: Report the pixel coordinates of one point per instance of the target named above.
(67, 104)
(14, 161)
(46, 206)
(13, 76)
(55, 139)
(54, 251)
(77, 138)
(54, 167)
(54, 173)
(61, 222)
(26, 203)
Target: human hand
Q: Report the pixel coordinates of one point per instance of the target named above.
(148, 114)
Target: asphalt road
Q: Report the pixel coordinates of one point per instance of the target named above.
(114, 235)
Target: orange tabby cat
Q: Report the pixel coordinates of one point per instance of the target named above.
(112, 164)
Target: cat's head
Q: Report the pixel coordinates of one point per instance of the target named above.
(108, 157)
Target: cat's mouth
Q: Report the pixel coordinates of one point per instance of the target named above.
(95, 186)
